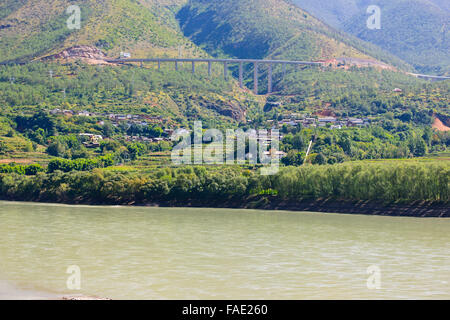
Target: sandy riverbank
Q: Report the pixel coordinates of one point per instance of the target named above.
(8, 291)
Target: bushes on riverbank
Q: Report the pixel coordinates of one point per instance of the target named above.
(63, 165)
(404, 182)
(29, 170)
(66, 165)
(381, 182)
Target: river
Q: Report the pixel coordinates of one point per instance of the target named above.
(189, 253)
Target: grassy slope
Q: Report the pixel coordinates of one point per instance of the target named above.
(145, 28)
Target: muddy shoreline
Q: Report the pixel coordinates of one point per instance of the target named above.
(417, 209)
(9, 291)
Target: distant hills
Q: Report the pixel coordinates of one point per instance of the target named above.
(417, 31)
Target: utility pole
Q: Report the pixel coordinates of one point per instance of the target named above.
(308, 151)
(180, 54)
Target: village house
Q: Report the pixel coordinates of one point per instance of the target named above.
(94, 140)
(355, 122)
(84, 114)
(327, 120)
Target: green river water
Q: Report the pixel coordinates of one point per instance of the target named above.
(188, 253)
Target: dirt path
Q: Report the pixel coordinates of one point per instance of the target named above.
(19, 161)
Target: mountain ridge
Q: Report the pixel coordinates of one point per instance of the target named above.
(150, 28)
(414, 30)
(259, 28)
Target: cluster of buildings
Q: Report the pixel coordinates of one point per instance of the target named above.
(146, 139)
(142, 119)
(321, 122)
(116, 119)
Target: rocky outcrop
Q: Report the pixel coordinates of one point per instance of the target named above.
(88, 53)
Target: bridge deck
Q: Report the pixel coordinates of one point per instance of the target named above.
(216, 60)
(429, 77)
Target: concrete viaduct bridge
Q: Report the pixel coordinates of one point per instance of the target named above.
(427, 77)
(226, 64)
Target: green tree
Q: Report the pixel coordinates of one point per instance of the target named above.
(293, 158)
(56, 149)
(298, 142)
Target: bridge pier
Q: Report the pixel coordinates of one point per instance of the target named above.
(241, 75)
(255, 77)
(269, 79)
(225, 70)
(241, 62)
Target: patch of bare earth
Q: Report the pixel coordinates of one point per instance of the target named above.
(89, 54)
(438, 125)
(21, 161)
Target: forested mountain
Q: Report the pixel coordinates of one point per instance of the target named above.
(269, 28)
(417, 31)
(149, 28)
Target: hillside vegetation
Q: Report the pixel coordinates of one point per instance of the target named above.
(417, 31)
(146, 28)
(268, 28)
(72, 130)
(175, 95)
